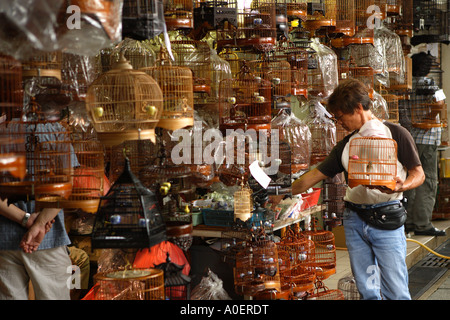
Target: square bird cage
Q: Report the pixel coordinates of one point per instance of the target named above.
(128, 215)
(372, 162)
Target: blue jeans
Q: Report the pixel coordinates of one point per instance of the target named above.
(377, 259)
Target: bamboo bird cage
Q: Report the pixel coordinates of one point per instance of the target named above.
(179, 14)
(124, 104)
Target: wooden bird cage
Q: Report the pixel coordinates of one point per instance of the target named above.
(231, 56)
(48, 155)
(129, 284)
(195, 55)
(277, 72)
(243, 206)
(43, 64)
(128, 216)
(392, 107)
(138, 53)
(142, 19)
(215, 14)
(364, 74)
(428, 114)
(324, 262)
(179, 14)
(124, 104)
(176, 84)
(12, 156)
(11, 94)
(257, 268)
(404, 24)
(364, 15)
(256, 28)
(320, 14)
(297, 9)
(321, 292)
(345, 19)
(372, 162)
(245, 102)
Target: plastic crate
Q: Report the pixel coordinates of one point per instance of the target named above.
(217, 217)
(310, 199)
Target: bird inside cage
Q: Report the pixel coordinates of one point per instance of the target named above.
(129, 284)
(176, 83)
(372, 162)
(128, 216)
(124, 104)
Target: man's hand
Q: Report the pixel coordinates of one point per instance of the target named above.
(33, 237)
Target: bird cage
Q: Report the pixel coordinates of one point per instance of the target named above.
(142, 19)
(320, 14)
(176, 284)
(347, 285)
(392, 107)
(177, 87)
(129, 284)
(12, 156)
(256, 27)
(87, 179)
(231, 56)
(277, 72)
(194, 55)
(48, 155)
(372, 162)
(430, 22)
(364, 75)
(11, 95)
(215, 14)
(128, 216)
(179, 14)
(341, 132)
(345, 18)
(138, 53)
(296, 133)
(43, 64)
(404, 24)
(428, 114)
(324, 262)
(297, 9)
(245, 102)
(77, 73)
(365, 14)
(257, 268)
(243, 206)
(124, 104)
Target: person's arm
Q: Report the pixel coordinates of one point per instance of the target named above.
(35, 234)
(15, 214)
(307, 180)
(415, 178)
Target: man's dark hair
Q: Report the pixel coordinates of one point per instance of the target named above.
(347, 95)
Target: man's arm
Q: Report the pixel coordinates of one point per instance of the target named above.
(35, 234)
(415, 178)
(307, 180)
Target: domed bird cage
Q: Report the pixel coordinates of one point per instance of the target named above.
(124, 104)
(245, 102)
(324, 262)
(392, 107)
(129, 284)
(138, 53)
(257, 268)
(320, 14)
(128, 216)
(296, 133)
(11, 94)
(179, 14)
(177, 87)
(322, 292)
(301, 255)
(48, 154)
(177, 285)
(347, 285)
(372, 162)
(323, 131)
(195, 55)
(243, 206)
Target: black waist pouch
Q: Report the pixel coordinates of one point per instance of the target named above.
(389, 217)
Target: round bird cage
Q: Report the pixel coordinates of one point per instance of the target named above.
(321, 292)
(245, 102)
(320, 14)
(129, 284)
(176, 84)
(372, 162)
(124, 104)
(128, 216)
(347, 285)
(243, 206)
(11, 94)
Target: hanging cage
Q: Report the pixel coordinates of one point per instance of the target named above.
(11, 95)
(124, 104)
(142, 19)
(128, 216)
(179, 14)
(372, 162)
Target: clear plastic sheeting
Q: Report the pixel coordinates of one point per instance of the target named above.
(379, 106)
(210, 288)
(77, 26)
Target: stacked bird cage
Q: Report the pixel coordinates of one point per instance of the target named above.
(215, 14)
(177, 87)
(245, 102)
(44, 64)
(297, 9)
(345, 19)
(124, 104)
(179, 14)
(11, 96)
(128, 216)
(320, 14)
(372, 162)
(129, 284)
(140, 19)
(392, 107)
